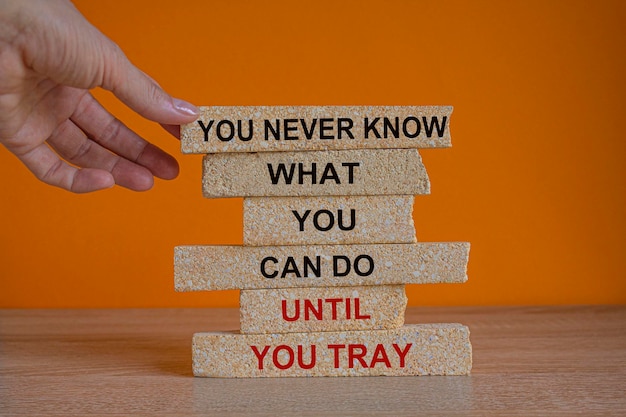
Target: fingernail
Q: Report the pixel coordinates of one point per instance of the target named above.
(186, 108)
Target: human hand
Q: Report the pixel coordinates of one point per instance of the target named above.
(50, 57)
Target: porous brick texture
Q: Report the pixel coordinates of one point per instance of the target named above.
(316, 128)
(322, 309)
(328, 220)
(418, 349)
(198, 268)
(315, 173)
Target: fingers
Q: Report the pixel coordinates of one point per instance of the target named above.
(90, 138)
(65, 51)
(64, 46)
(142, 94)
(101, 168)
(112, 134)
(173, 130)
(49, 168)
(72, 145)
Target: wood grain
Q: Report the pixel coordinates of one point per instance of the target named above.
(527, 361)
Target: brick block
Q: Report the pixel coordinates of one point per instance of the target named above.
(315, 173)
(322, 309)
(198, 268)
(327, 220)
(281, 128)
(423, 349)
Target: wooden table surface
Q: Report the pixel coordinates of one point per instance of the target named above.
(540, 361)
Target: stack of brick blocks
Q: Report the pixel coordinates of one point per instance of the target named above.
(329, 242)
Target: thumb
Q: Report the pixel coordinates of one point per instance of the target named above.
(66, 47)
(141, 93)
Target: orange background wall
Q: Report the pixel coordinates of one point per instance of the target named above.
(535, 179)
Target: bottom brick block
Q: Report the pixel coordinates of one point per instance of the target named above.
(416, 349)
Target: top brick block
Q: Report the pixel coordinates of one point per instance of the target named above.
(305, 128)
